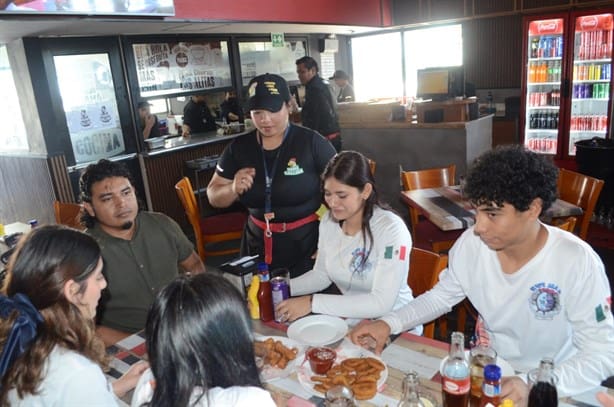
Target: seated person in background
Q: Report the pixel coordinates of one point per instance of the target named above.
(200, 348)
(346, 91)
(50, 353)
(149, 122)
(197, 117)
(231, 109)
(363, 248)
(142, 251)
(540, 291)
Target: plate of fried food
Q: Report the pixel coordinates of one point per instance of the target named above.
(276, 356)
(355, 367)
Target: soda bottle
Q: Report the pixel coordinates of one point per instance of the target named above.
(542, 382)
(456, 380)
(491, 386)
(413, 394)
(265, 299)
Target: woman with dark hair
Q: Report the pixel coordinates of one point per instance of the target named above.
(200, 347)
(50, 354)
(363, 248)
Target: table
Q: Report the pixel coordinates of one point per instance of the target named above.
(406, 352)
(446, 208)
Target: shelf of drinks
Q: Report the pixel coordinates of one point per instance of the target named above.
(544, 83)
(547, 107)
(584, 61)
(545, 59)
(589, 133)
(591, 81)
(544, 131)
(590, 100)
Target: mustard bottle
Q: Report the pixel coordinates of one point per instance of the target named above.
(252, 298)
(507, 403)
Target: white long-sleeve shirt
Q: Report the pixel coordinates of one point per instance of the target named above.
(376, 289)
(557, 305)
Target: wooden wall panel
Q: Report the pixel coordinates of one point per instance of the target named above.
(26, 190)
(533, 4)
(408, 11)
(61, 181)
(481, 7)
(492, 52)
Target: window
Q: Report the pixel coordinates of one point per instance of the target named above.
(376, 62)
(429, 48)
(13, 135)
(258, 58)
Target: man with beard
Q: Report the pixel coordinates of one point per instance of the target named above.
(142, 251)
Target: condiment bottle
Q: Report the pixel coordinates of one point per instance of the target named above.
(265, 299)
(413, 396)
(252, 298)
(507, 403)
(542, 382)
(491, 386)
(456, 380)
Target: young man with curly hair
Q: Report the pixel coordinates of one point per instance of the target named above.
(540, 291)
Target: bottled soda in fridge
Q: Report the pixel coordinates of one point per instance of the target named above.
(456, 380)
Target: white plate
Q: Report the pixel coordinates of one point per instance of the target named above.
(270, 373)
(346, 350)
(506, 368)
(318, 330)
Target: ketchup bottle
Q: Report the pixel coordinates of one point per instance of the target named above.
(265, 299)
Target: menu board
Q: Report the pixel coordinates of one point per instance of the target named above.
(175, 67)
(258, 58)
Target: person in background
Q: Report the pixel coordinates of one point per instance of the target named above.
(319, 111)
(540, 291)
(231, 109)
(346, 91)
(274, 171)
(142, 251)
(363, 248)
(197, 117)
(50, 353)
(200, 347)
(149, 122)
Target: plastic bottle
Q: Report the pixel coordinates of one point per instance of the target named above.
(507, 403)
(265, 299)
(456, 381)
(491, 387)
(543, 385)
(413, 396)
(252, 298)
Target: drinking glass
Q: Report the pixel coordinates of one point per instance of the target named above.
(480, 356)
(339, 396)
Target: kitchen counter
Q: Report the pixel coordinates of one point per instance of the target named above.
(173, 144)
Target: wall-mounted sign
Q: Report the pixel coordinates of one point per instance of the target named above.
(277, 40)
(89, 7)
(175, 67)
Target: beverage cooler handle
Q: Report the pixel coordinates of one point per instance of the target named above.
(566, 85)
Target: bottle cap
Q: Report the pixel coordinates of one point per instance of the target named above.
(492, 372)
(262, 266)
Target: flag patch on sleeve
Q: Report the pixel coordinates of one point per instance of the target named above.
(392, 252)
(599, 313)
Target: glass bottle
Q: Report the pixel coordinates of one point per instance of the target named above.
(265, 299)
(455, 380)
(542, 385)
(491, 386)
(413, 396)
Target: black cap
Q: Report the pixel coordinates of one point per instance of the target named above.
(142, 104)
(339, 75)
(268, 92)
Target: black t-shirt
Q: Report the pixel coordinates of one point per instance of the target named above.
(198, 117)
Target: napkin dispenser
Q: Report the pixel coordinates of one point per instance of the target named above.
(240, 272)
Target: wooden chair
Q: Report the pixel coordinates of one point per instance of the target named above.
(212, 229)
(568, 224)
(424, 269)
(372, 166)
(68, 213)
(580, 190)
(440, 241)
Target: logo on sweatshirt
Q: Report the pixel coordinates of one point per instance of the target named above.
(545, 300)
(293, 168)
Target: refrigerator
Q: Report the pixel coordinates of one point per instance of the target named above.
(566, 80)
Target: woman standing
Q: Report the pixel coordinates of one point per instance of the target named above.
(364, 249)
(275, 172)
(200, 346)
(50, 354)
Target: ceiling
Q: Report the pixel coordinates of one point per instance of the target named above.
(13, 28)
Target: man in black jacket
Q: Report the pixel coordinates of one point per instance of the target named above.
(319, 112)
(197, 117)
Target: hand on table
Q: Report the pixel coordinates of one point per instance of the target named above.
(606, 400)
(365, 333)
(243, 180)
(129, 380)
(294, 308)
(515, 389)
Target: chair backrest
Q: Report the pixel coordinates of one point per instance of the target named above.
(188, 200)
(429, 178)
(568, 224)
(424, 269)
(68, 213)
(372, 166)
(580, 190)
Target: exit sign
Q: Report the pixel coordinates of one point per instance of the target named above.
(277, 40)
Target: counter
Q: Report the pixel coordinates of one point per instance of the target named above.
(163, 167)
